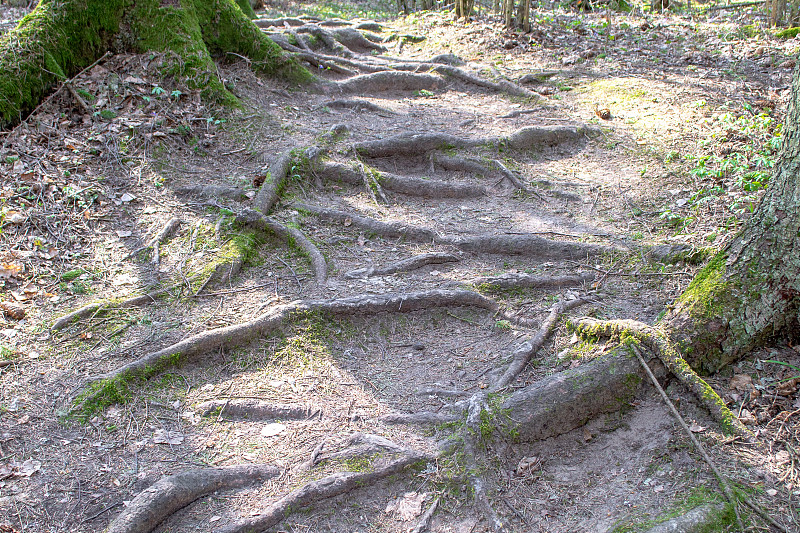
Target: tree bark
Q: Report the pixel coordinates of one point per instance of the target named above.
(749, 292)
(60, 37)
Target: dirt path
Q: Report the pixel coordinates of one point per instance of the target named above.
(276, 250)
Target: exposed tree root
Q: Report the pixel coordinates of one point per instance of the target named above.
(359, 445)
(293, 237)
(389, 230)
(462, 164)
(251, 409)
(404, 265)
(213, 191)
(658, 343)
(97, 308)
(529, 281)
(528, 138)
(152, 246)
(274, 181)
(508, 244)
(105, 388)
(524, 352)
(510, 176)
(279, 22)
(404, 184)
(156, 503)
(356, 41)
(378, 82)
(327, 487)
(425, 522)
(422, 418)
(357, 104)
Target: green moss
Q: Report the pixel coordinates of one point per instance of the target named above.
(703, 296)
(788, 33)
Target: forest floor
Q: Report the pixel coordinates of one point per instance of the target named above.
(683, 118)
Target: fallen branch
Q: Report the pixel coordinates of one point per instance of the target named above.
(522, 355)
(156, 503)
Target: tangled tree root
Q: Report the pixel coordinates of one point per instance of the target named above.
(293, 236)
(528, 138)
(404, 265)
(659, 344)
(152, 246)
(383, 81)
(529, 281)
(357, 104)
(156, 503)
(106, 388)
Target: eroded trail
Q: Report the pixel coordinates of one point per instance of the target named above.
(369, 322)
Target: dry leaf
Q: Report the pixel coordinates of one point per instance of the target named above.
(747, 417)
(696, 428)
(526, 465)
(8, 270)
(28, 468)
(127, 197)
(162, 436)
(13, 310)
(741, 382)
(271, 430)
(408, 507)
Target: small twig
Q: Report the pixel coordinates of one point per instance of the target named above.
(300, 285)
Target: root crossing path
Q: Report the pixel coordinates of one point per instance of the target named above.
(379, 339)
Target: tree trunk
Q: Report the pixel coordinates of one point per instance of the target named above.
(750, 291)
(59, 38)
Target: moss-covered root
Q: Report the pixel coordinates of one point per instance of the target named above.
(274, 182)
(60, 37)
(327, 487)
(657, 342)
(293, 237)
(171, 493)
(113, 387)
(101, 307)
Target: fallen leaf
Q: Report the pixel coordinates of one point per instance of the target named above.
(526, 465)
(14, 217)
(163, 436)
(407, 507)
(772, 492)
(123, 233)
(348, 221)
(741, 382)
(13, 310)
(696, 428)
(747, 417)
(8, 270)
(271, 430)
(28, 468)
(127, 198)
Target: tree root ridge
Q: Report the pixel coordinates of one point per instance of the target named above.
(529, 281)
(97, 308)
(293, 236)
(522, 355)
(237, 334)
(391, 230)
(404, 265)
(528, 138)
(152, 246)
(527, 245)
(251, 409)
(422, 418)
(377, 82)
(327, 487)
(269, 193)
(156, 503)
(408, 185)
(660, 345)
(357, 104)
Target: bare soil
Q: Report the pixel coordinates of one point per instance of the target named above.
(80, 193)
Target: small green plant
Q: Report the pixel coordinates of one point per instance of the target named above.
(795, 369)
(158, 91)
(424, 93)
